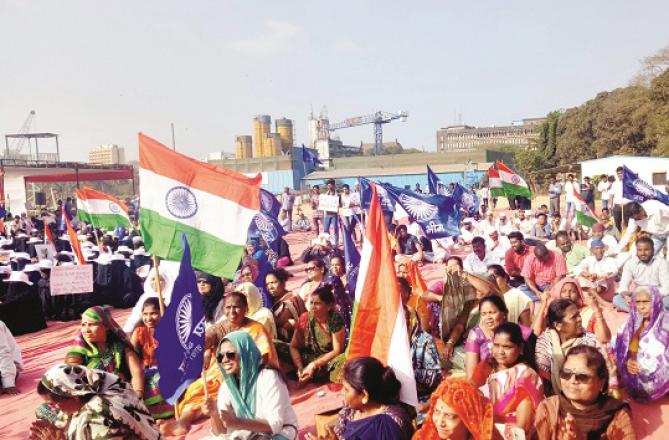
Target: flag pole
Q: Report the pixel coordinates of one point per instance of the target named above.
(156, 286)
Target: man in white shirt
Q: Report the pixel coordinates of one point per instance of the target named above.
(616, 199)
(597, 271)
(523, 223)
(644, 269)
(603, 187)
(610, 242)
(497, 245)
(483, 194)
(287, 202)
(11, 362)
(504, 226)
(467, 231)
(651, 216)
(478, 261)
(569, 188)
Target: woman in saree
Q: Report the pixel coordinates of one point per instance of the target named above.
(590, 309)
(317, 347)
(458, 411)
(584, 409)
(253, 400)
(513, 387)
(641, 346)
(99, 405)
(371, 404)
(256, 311)
(317, 277)
(408, 269)
(287, 306)
(565, 330)
(519, 305)
(189, 408)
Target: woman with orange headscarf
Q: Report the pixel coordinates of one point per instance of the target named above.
(458, 411)
(409, 270)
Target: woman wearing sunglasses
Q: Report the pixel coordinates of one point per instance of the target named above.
(584, 410)
(253, 400)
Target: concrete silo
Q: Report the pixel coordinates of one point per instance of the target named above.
(285, 129)
(244, 147)
(261, 128)
(272, 144)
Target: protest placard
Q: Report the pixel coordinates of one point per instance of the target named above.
(45, 251)
(328, 203)
(66, 280)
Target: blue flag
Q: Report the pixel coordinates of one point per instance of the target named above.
(269, 204)
(639, 190)
(352, 260)
(434, 183)
(466, 199)
(180, 333)
(437, 214)
(387, 202)
(265, 224)
(309, 156)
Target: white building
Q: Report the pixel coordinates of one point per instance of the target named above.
(109, 154)
(651, 169)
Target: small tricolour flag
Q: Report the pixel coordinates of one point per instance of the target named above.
(584, 215)
(211, 205)
(495, 183)
(379, 326)
(513, 184)
(101, 210)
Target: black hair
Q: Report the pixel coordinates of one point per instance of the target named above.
(152, 301)
(558, 310)
(404, 284)
(594, 360)
(401, 227)
(611, 179)
(562, 234)
(318, 263)
(499, 271)
(496, 301)
(633, 208)
(345, 186)
(238, 295)
(325, 293)
(478, 239)
(369, 374)
(517, 235)
(646, 240)
(619, 169)
(337, 257)
(280, 274)
(570, 175)
(214, 297)
(315, 187)
(542, 214)
(330, 182)
(456, 258)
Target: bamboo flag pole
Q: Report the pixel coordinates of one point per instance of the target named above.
(157, 287)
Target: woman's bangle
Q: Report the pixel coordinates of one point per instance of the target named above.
(450, 341)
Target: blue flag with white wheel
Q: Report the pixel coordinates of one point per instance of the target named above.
(387, 202)
(639, 190)
(180, 333)
(352, 261)
(265, 224)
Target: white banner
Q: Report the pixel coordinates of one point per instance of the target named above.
(66, 280)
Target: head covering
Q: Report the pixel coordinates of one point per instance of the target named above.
(251, 264)
(653, 381)
(257, 311)
(242, 391)
(555, 290)
(596, 244)
(89, 351)
(474, 410)
(18, 277)
(122, 406)
(214, 297)
(598, 227)
(418, 287)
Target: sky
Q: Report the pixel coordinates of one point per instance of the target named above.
(100, 72)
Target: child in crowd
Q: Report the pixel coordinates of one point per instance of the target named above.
(144, 342)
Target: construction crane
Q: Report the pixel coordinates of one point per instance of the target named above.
(17, 145)
(378, 119)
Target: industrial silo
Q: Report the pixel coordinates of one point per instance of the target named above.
(261, 128)
(244, 147)
(272, 144)
(285, 129)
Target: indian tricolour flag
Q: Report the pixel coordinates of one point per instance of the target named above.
(513, 184)
(212, 206)
(379, 327)
(101, 210)
(495, 183)
(584, 215)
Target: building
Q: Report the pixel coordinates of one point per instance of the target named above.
(467, 138)
(244, 147)
(653, 170)
(110, 154)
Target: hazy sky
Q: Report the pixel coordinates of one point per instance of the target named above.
(99, 72)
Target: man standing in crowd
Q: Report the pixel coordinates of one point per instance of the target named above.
(617, 200)
(588, 193)
(554, 193)
(316, 214)
(603, 187)
(569, 189)
(287, 201)
(483, 195)
(331, 218)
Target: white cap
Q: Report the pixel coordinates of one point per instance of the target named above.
(18, 277)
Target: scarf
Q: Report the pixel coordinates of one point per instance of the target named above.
(456, 293)
(559, 352)
(89, 351)
(243, 389)
(653, 381)
(474, 410)
(120, 405)
(595, 419)
(214, 297)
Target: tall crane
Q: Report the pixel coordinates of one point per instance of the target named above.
(17, 145)
(378, 119)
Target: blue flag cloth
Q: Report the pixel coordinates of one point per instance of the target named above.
(265, 224)
(309, 156)
(180, 333)
(466, 199)
(387, 202)
(437, 214)
(639, 190)
(269, 204)
(352, 260)
(434, 183)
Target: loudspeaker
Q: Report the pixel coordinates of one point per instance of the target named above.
(40, 199)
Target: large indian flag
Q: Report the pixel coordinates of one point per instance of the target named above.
(495, 183)
(584, 215)
(211, 205)
(379, 327)
(513, 184)
(101, 210)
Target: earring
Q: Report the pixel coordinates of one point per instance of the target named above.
(365, 400)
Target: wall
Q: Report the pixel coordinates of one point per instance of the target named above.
(644, 167)
(405, 179)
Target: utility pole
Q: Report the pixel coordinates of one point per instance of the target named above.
(174, 144)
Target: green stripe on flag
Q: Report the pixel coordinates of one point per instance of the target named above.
(497, 192)
(512, 190)
(162, 237)
(106, 221)
(584, 219)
